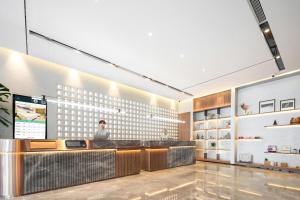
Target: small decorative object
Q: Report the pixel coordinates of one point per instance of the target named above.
(267, 163)
(197, 137)
(285, 149)
(288, 104)
(272, 148)
(267, 106)
(294, 151)
(246, 157)
(275, 123)
(295, 120)
(283, 164)
(213, 144)
(245, 108)
(275, 164)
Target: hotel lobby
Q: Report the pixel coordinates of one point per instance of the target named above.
(162, 100)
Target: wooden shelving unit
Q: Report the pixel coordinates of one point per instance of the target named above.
(213, 130)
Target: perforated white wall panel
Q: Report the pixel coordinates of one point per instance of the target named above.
(126, 119)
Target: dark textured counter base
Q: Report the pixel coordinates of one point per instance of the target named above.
(116, 144)
(47, 171)
(179, 156)
(167, 143)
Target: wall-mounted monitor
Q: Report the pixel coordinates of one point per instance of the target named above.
(30, 118)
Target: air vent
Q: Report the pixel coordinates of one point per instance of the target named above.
(258, 10)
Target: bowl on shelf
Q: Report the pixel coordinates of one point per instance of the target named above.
(295, 120)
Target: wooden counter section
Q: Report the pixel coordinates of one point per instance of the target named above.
(156, 159)
(128, 162)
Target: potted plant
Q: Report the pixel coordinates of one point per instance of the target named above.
(4, 95)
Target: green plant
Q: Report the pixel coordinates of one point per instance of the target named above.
(4, 95)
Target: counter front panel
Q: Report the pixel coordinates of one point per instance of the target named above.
(52, 170)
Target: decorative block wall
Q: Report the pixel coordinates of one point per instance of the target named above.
(126, 119)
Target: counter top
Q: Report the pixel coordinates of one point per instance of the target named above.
(11, 145)
(118, 144)
(167, 143)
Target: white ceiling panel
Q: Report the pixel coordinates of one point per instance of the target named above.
(49, 51)
(180, 43)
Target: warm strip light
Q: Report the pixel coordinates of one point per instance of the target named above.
(268, 114)
(49, 151)
(156, 192)
(182, 185)
(249, 192)
(225, 197)
(199, 189)
(211, 193)
(136, 198)
(214, 173)
(79, 105)
(168, 119)
(284, 187)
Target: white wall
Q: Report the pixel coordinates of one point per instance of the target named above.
(281, 89)
(12, 23)
(27, 75)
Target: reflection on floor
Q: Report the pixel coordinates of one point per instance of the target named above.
(202, 181)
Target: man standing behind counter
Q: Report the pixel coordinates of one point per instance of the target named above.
(102, 133)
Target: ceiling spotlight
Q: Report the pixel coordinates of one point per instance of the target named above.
(267, 30)
(77, 51)
(150, 34)
(181, 55)
(203, 69)
(277, 57)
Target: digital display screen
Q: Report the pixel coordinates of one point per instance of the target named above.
(30, 118)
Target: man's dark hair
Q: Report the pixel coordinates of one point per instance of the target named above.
(102, 121)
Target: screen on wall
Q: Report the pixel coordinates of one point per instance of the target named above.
(30, 118)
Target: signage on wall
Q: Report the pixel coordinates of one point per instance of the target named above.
(30, 118)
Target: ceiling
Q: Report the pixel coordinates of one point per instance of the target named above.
(194, 45)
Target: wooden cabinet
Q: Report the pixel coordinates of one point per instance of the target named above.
(218, 100)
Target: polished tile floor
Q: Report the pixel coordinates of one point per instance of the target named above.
(202, 181)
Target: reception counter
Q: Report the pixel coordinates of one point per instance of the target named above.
(29, 166)
(160, 155)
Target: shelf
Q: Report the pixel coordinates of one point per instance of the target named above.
(214, 119)
(284, 126)
(283, 153)
(218, 149)
(224, 139)
(270, 113)
(261, 166)
(250, 140)
(212, 129)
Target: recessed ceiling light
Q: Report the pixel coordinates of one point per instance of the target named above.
(267, 30)
(203, 69)
(77, 51)
(181, 55)
(150, 34)
(277, 57)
